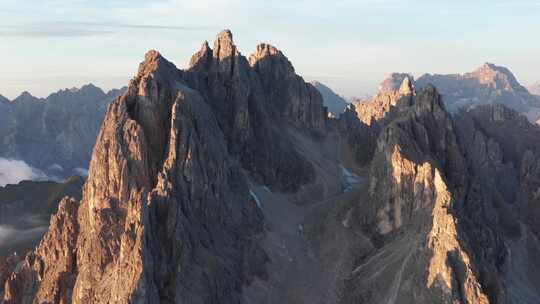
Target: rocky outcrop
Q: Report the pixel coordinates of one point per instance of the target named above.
(391, 99)
(47, 274)
(333, 102)
(7, 266)
(489, 84)
(25, 209)
(56, 134)
(360, 137)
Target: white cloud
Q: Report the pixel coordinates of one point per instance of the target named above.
(10, 235)
(13, 171)
(81, 172)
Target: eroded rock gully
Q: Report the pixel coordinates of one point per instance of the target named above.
(226, 183)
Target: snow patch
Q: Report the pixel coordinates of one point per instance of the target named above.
(255, 198)
(350, 179)
(83, 172)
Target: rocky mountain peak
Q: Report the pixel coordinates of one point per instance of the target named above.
(204, 54)
(406, 86)
(496, 77)
(4, 100)
(153, 62)
(25, 97)
(268, 57)
(395, 82)
(91, 88)
(224, 46)
(154, 70)
(79, 95)
(534, 89)
(488, 84)
(396, 93)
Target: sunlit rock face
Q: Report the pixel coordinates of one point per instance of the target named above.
(395, 93)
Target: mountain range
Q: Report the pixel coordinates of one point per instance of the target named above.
(228, 182)
(488, 84)
(54, 135)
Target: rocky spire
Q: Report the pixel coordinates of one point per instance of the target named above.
(204, 56)
(224, 46)
(395, 81)
(406, 86)
(395, 94)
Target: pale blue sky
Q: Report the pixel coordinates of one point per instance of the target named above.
(350, 45)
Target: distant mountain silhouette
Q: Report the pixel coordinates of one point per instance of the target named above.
(535, 89)
(489, 84)
(54, 134)
(335, 103)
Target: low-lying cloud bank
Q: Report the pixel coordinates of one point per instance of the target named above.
(13, 171)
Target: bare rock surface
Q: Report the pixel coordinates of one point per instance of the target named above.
(394, 94)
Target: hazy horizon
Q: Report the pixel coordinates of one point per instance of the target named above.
(348, 45)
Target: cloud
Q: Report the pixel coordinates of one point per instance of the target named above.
(37, 31)
(13, 171)
(69, 29)
(518, 4)
(10, 235)
(81, 172)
